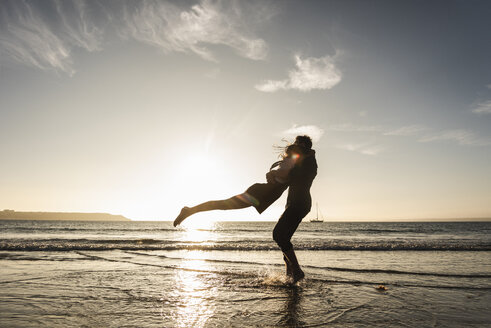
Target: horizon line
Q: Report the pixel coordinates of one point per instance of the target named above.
(478, 219)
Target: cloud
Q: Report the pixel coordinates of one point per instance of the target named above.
(45, 34)
(349, 127)
(78, 25)
(312, 131)
(45, 37)
(213, 73)
(483, 107)
(309, 74)
(364, 148)
(272, 86)
(421, 133)
(410, 130)
(172, 29)
(460, 136)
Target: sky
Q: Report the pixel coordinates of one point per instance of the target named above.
(141, 107)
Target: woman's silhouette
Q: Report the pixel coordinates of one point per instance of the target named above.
(259, 195)
(291, 168)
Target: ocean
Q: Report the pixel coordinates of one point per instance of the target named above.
(231, 274)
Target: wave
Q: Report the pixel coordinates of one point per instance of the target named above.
(244, 245)
(84, 241)
(54, 230)
(81, 230)
(326, 230)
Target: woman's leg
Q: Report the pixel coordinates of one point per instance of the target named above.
(233, 203)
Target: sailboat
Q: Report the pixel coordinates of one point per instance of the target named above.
(317, 219)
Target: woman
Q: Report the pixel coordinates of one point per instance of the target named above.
(259, 195)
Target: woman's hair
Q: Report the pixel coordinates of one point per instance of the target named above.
(281, 150)
(288, 149)
(303, 142)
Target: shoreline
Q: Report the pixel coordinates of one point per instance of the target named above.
(60, 216)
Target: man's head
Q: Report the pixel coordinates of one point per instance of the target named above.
(304, 141)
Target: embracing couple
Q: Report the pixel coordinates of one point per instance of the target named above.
(295, 171)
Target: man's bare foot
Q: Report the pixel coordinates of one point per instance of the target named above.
(298, 275)
(289, 271)
(185, 212)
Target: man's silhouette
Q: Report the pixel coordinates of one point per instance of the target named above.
(298, 204)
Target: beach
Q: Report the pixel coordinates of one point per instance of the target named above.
(230, 274)
(119, 118)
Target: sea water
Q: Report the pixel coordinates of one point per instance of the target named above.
(222, 274)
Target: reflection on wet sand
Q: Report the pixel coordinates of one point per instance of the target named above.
(291, 317)
(196, 293)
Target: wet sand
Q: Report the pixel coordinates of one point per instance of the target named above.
(225, 289)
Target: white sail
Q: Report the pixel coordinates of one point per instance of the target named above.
(317, 218)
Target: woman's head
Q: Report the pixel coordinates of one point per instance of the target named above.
(304, 142)
(301, 145)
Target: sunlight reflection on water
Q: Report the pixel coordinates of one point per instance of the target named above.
(198, 231)
(195, 290)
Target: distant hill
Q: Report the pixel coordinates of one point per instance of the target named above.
(61, 216)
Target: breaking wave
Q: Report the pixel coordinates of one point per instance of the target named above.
(235, 245)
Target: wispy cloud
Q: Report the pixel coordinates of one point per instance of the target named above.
(349, 127)
(46, 38)
(213, 73)
(420, 133)
(483, 107)
(78, 26)
(410, 130)
(460, 136)
(363, 148)
(45, 34)
(309, 74)
(174, 29)
(312, 131)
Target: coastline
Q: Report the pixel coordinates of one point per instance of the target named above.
(60, 216)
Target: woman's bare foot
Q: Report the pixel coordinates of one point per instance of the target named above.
(185, 212)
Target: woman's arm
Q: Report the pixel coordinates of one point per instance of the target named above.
(281, 173)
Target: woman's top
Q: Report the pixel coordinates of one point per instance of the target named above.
(281, 169)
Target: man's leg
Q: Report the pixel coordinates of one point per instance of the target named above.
(282, 234)
(289, 271)
(296, 272)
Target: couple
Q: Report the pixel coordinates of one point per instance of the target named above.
(297, 171)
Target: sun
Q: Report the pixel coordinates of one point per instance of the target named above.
(200, 173)
(199, 177)
(199, 167)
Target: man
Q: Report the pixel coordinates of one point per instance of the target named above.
(298, 204)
